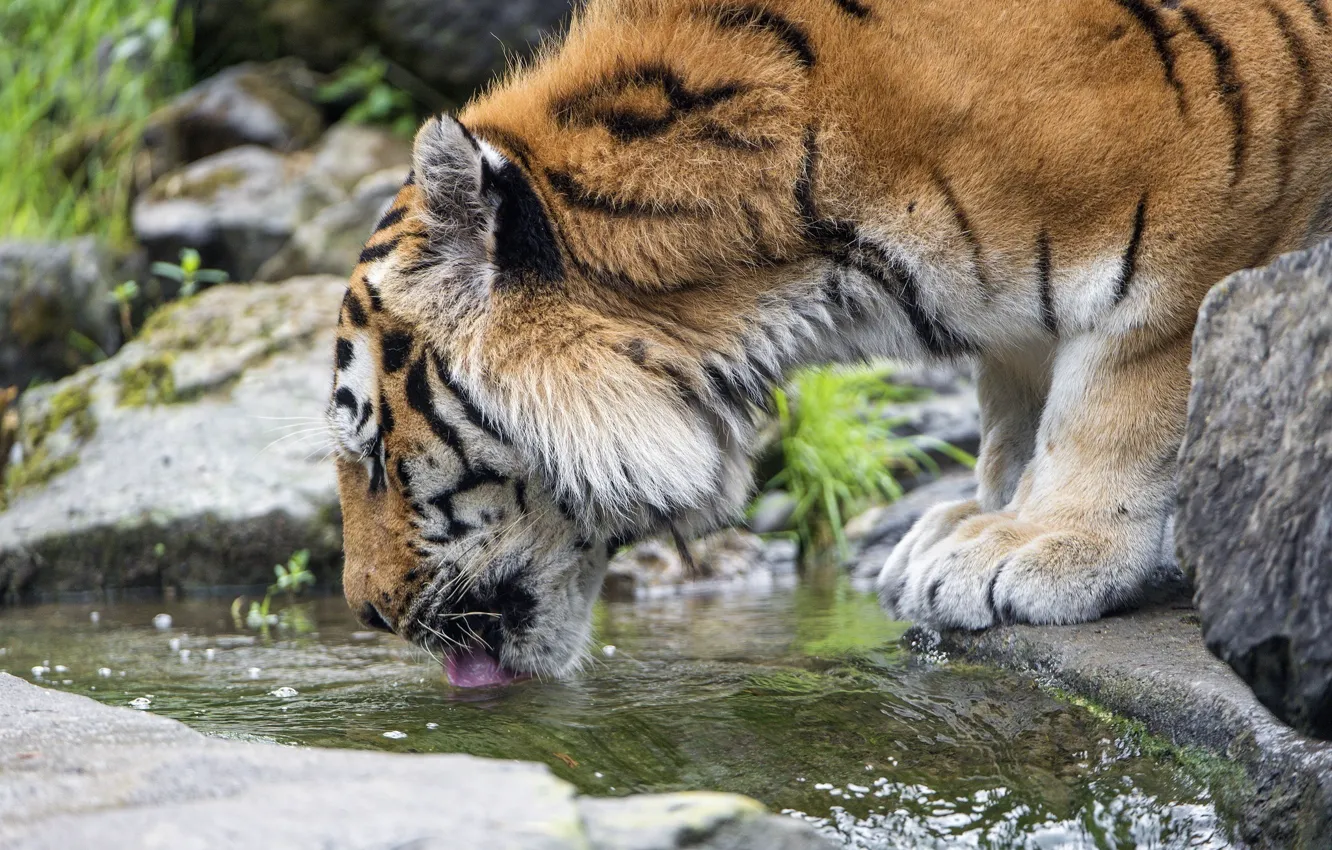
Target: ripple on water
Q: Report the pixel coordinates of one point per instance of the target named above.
(799, 699)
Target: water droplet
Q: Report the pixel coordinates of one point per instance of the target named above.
(432, 725)
(60, 668)
(184, 655)
(253, 672)
(210, 654)
(39, 670)
(597, 774)
(96, 617)
(608, 650)
(104, 672)
(174, 643)
(395, 735)
(66, 681)
(141, 703)
(285, 692)
(162, 622)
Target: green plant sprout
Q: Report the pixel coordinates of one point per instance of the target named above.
(124, 296)
(189, 273)
(291, 580)
(839, 450)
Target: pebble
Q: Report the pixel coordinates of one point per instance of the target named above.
(184, 655)
(285, 692)
(608, 651)
(39, 670)
(254, 672)
(432, 725)
(210, 654)
(162, 622)
(104, 672)
(141, 703)
(859, 789)
(60, 668)
(95, 617)
(395, 735)
(174, 643)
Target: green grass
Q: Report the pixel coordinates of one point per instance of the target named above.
(77, 80)
(840, 454)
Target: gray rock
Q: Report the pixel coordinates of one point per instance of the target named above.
(447, 47)
(237, 208)
(875, 532)
(75, 773)
(773, 511)
(202, 435)
(952, 418)
(1254, 522)
(1274, 785)
(655, 566)
(349, 153)
(331, 242)
(252, 104)
(48, 292)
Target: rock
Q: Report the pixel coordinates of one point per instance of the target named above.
(450, 46)
(1150, 666)
(50, 291)
(270, 104)
(952, 418)
(349, 153)
(171, 464)
(75, 773)
(655, 566)
(875, 532)
(331, 242)
(237, 208)
(773, 511)
(1254, 521)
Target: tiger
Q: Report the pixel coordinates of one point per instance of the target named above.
(564, 334)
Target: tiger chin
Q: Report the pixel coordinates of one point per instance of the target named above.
(561, 335)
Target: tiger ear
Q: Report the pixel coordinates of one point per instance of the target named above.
(448, 166)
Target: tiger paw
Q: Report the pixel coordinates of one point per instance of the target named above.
(991, 569)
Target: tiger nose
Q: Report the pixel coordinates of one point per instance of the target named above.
(371, 618)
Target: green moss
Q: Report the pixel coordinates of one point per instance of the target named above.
(149, 382)
(70, 405)
(1225, 778)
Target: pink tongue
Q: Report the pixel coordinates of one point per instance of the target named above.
(476, 668)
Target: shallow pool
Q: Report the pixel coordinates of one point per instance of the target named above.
(800, 697)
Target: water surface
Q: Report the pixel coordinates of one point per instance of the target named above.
(800, 698)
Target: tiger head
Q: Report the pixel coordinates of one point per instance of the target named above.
(557, 338)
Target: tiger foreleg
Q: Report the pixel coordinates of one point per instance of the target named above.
(1082, 533)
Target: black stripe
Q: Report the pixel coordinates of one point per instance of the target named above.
(422, 401)
(378, 480)
(1043, 274)
(793, 38)
(831, 235)
(396, 347)
(470, 410)
(411, 179)
(1129, 266)
(1299, 54)
(900, 283)
(354, 310)
(1232, 90)
(520, 495)
(1316, 9)
(964, 225)
(575, 194)
(386, 419)
(380, 251)
(376, 303)
(346, 398)
(404, 475)
(391, 218)
(366, 410)
(853, 8)
(1150, 20)
(344, 353)
(525, 247)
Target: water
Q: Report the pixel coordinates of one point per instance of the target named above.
(800, 698)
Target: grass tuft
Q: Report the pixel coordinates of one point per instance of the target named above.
(78, 78)
(840, 453)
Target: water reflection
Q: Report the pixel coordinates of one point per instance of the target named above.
(798, 697)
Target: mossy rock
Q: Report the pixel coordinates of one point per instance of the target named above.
(150, 381)
(69, 412)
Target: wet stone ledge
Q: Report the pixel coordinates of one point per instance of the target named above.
(1151, 666)
(76, 773)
